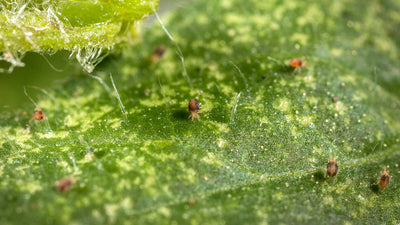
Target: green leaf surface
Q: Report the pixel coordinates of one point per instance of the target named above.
(85, 27)
(259, 153)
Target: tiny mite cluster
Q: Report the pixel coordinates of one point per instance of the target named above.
(64, 184)
(332, 167)
(384, 181)
(38, 114)
(194, 109)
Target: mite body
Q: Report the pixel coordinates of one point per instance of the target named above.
(192, 201)
(384, 181)
(38, 114)
(194, 109)
(296, 63)
(158, 54)
(335, 99)
(332, 167)
(64, 184)
(7, 55)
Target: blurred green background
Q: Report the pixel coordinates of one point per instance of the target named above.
(37, 72)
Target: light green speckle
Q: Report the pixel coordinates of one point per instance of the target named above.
(282, 104)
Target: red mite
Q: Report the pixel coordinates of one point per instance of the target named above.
(64, 184)
(194, 109)
(384, 178)
(38, 114)
(332, 167)
(296, 63)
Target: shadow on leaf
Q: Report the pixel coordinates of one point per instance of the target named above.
(180, 114)
(319, 175)
(373, 186)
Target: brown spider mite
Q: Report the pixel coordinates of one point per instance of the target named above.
(194, 109)
(64, 184)
(158, 54)
(384, 181)
(296, 63)
(192, 201)
(38, 114)
(332, 167)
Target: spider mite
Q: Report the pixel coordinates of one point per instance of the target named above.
(332, 167)
(335, 99)
(7, 55)
(384, 178)
(296, 63)
(38, 114)
(192, 201)
(158, 54)
(64, 184)
(194, 109)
